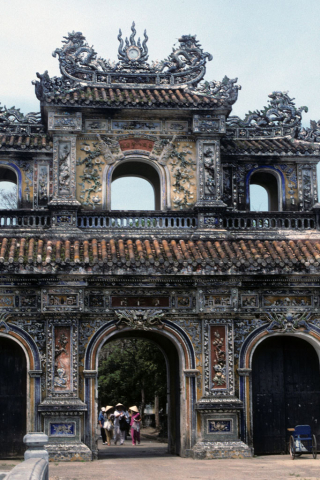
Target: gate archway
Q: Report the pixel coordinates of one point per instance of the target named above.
(285, 391)
(13, 398)
(180, 357)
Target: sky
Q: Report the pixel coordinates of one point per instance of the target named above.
(268, 44)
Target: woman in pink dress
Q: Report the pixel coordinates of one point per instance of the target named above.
(135, 425)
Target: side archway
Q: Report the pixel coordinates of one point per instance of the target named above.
(278, 372)
(180, 357)
(20, 388)
(272, 181)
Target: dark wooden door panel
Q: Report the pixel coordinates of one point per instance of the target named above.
(285, 391)
(12, 398)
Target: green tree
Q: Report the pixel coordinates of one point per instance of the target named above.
(133, 372)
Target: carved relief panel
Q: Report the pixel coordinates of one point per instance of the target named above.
(308, 195)
(64, 169)
(62, 357)
(209, 173)
(218, 357)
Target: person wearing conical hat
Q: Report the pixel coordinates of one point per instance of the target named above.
(119, 424)
(108, 424)
(135, 425)
(101, 420)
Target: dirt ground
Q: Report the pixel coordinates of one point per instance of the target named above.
(150, 461)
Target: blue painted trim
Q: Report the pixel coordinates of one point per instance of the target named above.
(31, 343)
(269, 167)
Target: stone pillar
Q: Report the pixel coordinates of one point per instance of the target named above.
(62, 410)
(219, 409)
(36, 442)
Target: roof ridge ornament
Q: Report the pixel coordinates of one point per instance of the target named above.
(133, 53)
(280, 117)
(80, 66)
(14, 121)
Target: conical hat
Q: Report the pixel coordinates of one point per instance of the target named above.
(108, 407)
(134, 409)
(119, 405)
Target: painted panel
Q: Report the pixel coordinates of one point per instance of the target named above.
(142, 125)
(136, 144)
(62, 429)
(219, 426)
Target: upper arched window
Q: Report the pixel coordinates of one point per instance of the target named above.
(264, 192)
(135, 186)
(8, 189)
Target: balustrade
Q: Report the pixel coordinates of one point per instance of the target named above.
(239, 221)
(137, 220)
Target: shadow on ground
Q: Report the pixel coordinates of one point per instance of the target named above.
(147, 448)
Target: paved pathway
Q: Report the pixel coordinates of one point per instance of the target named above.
(149, 461)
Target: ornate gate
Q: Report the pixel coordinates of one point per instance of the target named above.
(13, 378)
(285, 390)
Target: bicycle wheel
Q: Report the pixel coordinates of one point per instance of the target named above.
(292, 448)
(314, 447)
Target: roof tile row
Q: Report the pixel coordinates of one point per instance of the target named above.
(271, 146)
(36, 142)
(134, 97)
(224, 254)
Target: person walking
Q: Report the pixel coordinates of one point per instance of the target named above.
(116, 424)
(101, 420)
(122, 422)
(108, 424)
(135, 425)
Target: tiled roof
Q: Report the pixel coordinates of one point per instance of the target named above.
(134, 97)
(268, 146)
(162, 256)
(34, 142)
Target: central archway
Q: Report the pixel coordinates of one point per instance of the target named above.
(180, 357)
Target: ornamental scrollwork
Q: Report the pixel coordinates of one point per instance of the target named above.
(140, 319)
(288, 322)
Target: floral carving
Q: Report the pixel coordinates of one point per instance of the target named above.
(182, 173)
(91, 178)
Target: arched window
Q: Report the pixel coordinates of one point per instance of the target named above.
(135, 186)
(8, 189)
(264, 192)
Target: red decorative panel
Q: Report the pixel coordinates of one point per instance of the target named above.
(62, 361)
(218, 356)
(136, 144)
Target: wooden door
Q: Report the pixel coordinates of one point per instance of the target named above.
(13, 377)
(285, 392)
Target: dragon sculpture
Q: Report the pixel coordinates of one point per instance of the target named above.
(14, 116)
(226, 90)
(312, 133)
(76, 55)
(280, 111)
